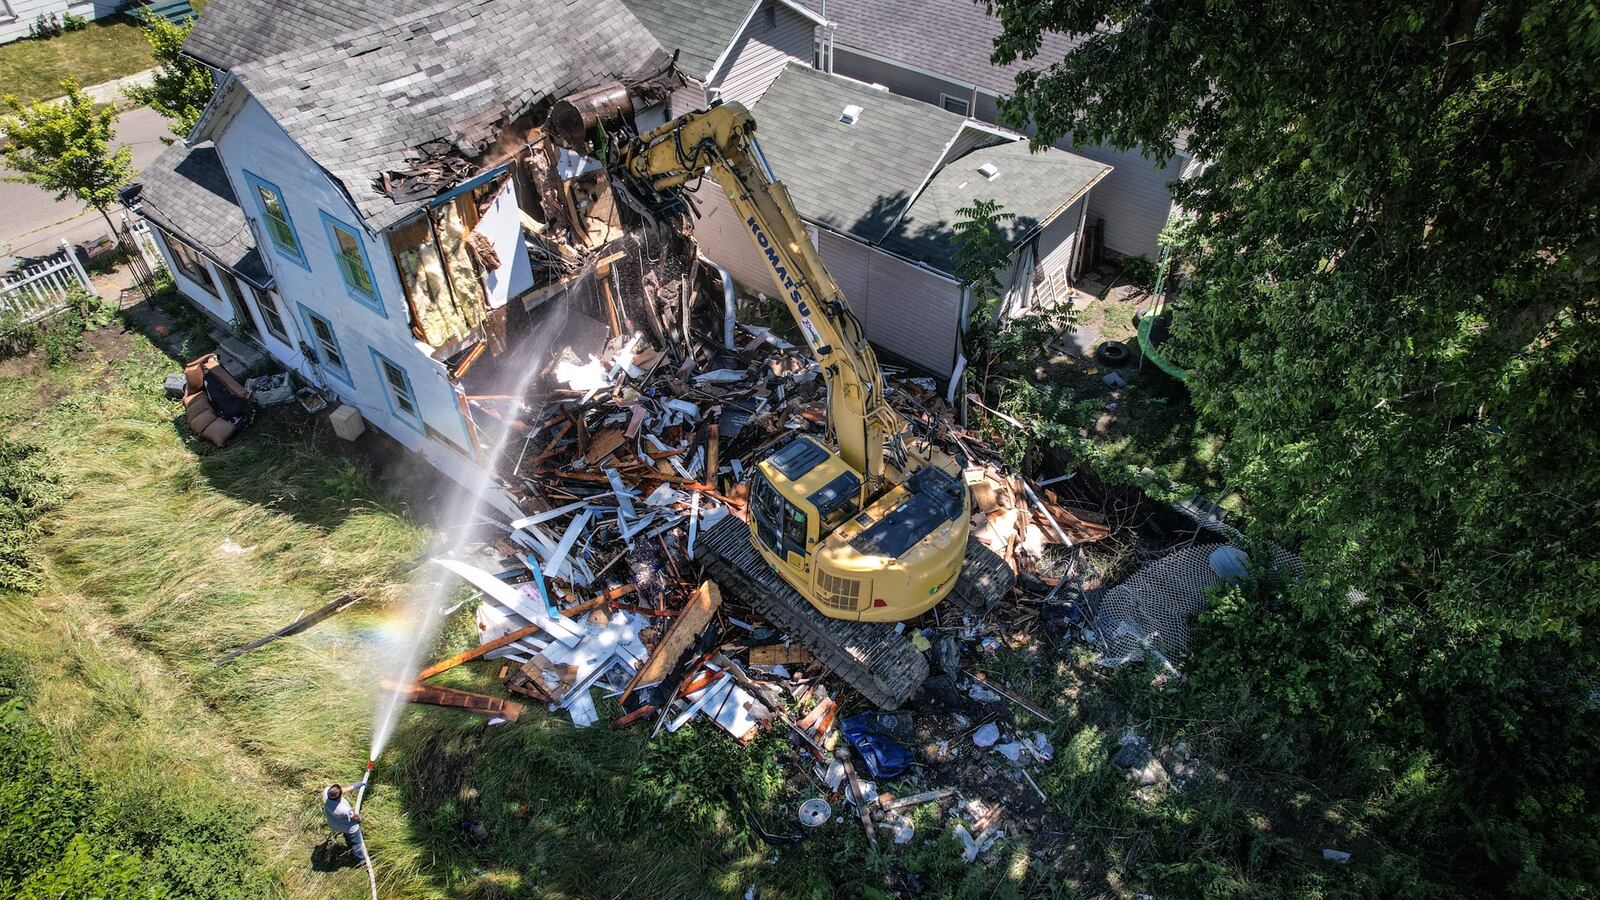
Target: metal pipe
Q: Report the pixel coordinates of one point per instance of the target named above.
(730, 303)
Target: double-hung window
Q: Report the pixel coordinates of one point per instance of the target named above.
(326, 345)
(354, 268)
(191, 264)
(269, 314)
(397, 387)
(275, 219)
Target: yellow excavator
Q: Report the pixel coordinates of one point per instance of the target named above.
(866, 527)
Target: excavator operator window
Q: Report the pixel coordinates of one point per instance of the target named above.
(794, 528)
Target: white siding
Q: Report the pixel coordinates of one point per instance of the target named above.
(251, 141)
(23, 13)
(212, 304)
(761, 52)
(1133, 199)
(723, 240)
(1057, 242)
(905, 309)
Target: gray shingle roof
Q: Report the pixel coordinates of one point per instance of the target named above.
(356, 102)
(700, 29)
(1031, 186)
(852, 178)
(859, 178)
(951, 37)
(231, 32)
(187, 193)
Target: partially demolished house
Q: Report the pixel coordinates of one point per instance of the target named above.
(364, 192)
(376, 198)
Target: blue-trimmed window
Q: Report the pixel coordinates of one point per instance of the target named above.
(275, 219)
(350, 252)
(326, 345)
(397, 387)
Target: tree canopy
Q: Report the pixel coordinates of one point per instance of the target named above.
(65, 147)
(181, 86)
(1391, 311)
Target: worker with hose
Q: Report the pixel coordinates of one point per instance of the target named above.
(344, 820)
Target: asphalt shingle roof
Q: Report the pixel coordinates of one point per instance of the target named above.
(699, 29)
(187, 193)
(951, 37)
(1031, 186)
(852, 178)
(858, 179)
(232, 32)
(358, 101)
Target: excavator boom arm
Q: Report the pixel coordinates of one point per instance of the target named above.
(721, 140)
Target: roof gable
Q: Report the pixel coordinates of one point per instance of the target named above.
(186, 192)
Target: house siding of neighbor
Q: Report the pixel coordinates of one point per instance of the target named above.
(18, 16)
(937, 51)
(882, 195)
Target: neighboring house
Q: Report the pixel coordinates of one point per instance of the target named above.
(731, 49)
(879, 180)
(275, 214)
(938, 51)
(18, 16)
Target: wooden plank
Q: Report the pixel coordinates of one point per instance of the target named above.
(482, 704)
(445, 665)
(572, 612)
(292, 628)
(779, 655)
(685, 629)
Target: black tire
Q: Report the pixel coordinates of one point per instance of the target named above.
(1113, 353)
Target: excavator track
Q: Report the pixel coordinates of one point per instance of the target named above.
(984, 581)
(870, 656)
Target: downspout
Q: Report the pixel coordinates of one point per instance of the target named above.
(730, 303)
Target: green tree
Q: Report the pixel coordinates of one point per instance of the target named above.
(182, 85)
(65, 147)
(1393, 315)
(982, 247)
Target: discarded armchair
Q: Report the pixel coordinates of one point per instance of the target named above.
(215, 404)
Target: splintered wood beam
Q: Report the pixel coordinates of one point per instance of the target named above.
(445, 665)
(572, 612)
(482, 704)
(681, 635)
(292, 628)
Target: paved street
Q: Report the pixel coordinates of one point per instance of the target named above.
(31, 221)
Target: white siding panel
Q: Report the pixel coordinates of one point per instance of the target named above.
(762, 52)
(1133, 200)
(25, 12)
(1058, 242)
(723, 240)
(905, 309)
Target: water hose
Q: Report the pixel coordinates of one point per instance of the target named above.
(372, 878)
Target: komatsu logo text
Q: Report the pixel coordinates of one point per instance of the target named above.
(781, 272)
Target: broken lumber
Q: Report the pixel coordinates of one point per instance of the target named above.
(779, 655)
(1007, 693)
(482, 704)
(292, 628)
(445, 665)
(686, 628)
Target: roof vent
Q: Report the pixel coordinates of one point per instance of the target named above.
(852, 113)
(989, 171)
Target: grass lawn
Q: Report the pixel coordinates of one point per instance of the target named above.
(199, 781)
(109, 48)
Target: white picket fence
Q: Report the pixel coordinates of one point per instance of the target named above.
(40, 288)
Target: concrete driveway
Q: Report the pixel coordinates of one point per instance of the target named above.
(31, 220)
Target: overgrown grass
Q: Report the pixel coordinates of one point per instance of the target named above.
(107, 49)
